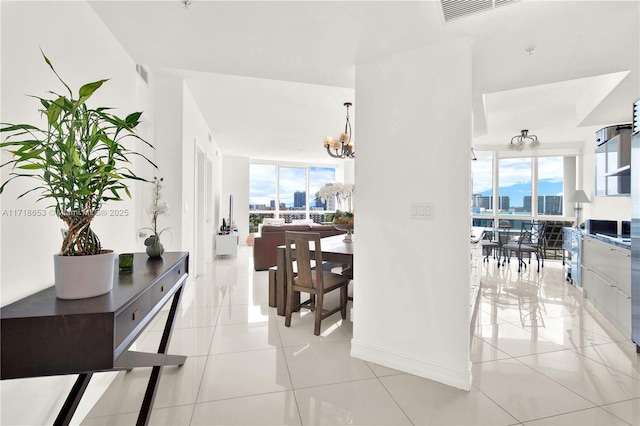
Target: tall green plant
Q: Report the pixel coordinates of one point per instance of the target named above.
(79, 160)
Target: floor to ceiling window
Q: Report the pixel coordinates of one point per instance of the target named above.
(514, 186)
(292, 192)
(482, 198)
(516, 189)
(288, 192)
(550, 186)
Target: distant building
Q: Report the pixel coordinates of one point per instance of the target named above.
(547, 204)
(482, 202)
(319, 204)
(485, 202)
(550, 204)
(504, 203)
(299, 199)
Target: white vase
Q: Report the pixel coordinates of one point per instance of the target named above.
(80, 277)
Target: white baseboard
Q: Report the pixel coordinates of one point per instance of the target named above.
(420, 367)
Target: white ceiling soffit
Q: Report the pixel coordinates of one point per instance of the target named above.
(601, 105)
(548, 109)
(456, 9)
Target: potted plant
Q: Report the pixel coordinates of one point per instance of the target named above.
(78, 161)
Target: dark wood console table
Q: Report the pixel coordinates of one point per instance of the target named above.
(45, 336)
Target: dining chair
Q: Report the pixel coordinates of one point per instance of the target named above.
(316, 282)
(531, 241)
(489, 245)
(504, 236)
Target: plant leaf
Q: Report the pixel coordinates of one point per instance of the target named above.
(54, 71)
(87, 90)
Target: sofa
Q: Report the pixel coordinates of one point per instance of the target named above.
(270, 237)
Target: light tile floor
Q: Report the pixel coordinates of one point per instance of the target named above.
(542, 355)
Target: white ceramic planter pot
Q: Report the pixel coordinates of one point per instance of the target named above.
(79, 277)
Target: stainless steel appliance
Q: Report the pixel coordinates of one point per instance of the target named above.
(635, 227)
(625, 232)
(606, 227)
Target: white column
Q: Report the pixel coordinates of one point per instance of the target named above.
(411, 289)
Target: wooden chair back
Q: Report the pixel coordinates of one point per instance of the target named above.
(298, 247)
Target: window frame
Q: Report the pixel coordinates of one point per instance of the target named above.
(277, 212)
(496, 216)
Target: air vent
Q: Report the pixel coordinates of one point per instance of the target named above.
(636, 117)
(142, 72)
(456, 9)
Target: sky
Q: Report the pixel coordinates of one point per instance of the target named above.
(262, 186)
(515, 177)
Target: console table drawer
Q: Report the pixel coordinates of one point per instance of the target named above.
(132, 317)
(139, 313)
(166, 283)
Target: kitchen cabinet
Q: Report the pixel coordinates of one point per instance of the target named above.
(606, 277)
(604, 296)
(613, 162)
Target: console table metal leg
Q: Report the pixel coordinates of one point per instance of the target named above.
(150, 394)
(73, 399)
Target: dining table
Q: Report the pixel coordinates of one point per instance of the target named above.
(335, 250)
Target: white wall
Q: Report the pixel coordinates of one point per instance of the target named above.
(411, 293)
(196, 139)
(27, 27)
(168, 108)
(181, 132)
(235, 178)
(82, 49)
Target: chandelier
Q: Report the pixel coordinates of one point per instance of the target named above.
(343, 146)
(518, 141)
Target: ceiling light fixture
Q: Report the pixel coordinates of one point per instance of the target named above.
(343, 146)
(186, 3)
(518, 141)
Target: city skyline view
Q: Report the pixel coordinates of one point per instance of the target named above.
(515, 178)
(262, 183)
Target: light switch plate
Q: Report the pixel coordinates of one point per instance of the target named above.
(421, 211)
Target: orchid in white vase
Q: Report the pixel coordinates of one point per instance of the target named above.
(156, 208)
(342, 191)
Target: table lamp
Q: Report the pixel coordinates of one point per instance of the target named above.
(578, 197)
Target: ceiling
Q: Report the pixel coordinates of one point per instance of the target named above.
(271, 77)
